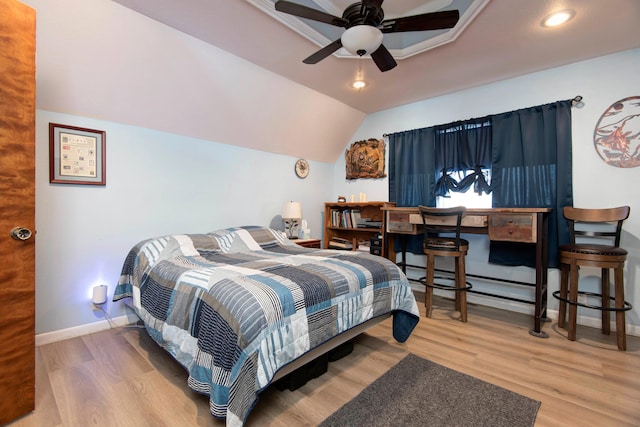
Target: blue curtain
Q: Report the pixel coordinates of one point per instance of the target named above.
(531, 167)
(412, 173)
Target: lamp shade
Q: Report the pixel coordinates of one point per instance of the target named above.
(292, 210)
(361, 38)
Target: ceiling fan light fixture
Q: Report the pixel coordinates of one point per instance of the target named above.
(361, 38)
(358, 84)
(558, 18)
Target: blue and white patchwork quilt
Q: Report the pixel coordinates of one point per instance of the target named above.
(233, 306)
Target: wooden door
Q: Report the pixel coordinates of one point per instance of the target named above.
(17, 209)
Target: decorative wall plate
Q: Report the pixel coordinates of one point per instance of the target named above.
(617, 134)
(302, 168)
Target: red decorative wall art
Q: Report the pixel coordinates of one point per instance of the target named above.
(617, 134)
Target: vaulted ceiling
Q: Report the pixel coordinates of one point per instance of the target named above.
(231, 71)
(494, 40)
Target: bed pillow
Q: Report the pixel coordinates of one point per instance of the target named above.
(248, 238)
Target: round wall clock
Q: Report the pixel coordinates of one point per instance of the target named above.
(302, 168)
(617, 134)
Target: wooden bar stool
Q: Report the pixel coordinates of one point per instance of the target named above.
(593, 227)
(447, 221)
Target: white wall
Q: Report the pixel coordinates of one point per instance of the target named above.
(97, 58)
(601, 82)
(157, 184)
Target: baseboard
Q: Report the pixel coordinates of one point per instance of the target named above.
(89, 328)
(594, 322)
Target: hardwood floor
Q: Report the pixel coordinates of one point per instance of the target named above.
(120, 377)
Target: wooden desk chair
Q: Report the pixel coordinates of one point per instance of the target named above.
(438, 222)
(597, 247)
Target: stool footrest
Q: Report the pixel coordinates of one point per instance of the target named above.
(627, 305)
(423, 280)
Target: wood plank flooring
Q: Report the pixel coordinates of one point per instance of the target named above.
(120, 377)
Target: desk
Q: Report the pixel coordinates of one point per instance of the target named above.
(524, 225)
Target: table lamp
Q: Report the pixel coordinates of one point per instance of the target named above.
(292, 215)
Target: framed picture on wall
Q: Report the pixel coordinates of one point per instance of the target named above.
(76, 155)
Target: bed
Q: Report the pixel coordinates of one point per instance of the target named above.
(239, 307)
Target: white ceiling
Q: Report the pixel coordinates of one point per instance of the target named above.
(501, 39)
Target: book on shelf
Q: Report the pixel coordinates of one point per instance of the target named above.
(370, 224)
(362, 221)
(364, 246)
(335, 218)
(346, 218)
(355, 218)
(338, 243)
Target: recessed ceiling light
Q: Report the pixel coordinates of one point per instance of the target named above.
(358, 84)
(558, 18)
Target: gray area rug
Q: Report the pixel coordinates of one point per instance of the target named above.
(417, 392)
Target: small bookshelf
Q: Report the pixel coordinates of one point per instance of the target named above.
(355, 222)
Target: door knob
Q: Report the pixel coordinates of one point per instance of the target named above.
(20, 233)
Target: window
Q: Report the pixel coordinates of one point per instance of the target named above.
(468, 198)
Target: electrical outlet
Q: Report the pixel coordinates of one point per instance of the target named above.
(582, 299)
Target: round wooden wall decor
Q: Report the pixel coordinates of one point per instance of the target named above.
(617, 134)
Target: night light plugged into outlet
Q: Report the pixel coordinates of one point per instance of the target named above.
(99, 294)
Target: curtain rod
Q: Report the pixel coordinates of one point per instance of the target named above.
(576, 101)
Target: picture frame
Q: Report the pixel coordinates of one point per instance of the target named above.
(365, 159)
(76, 155)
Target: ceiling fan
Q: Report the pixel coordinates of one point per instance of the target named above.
(365, 25)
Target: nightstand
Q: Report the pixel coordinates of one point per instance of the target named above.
(308, 243)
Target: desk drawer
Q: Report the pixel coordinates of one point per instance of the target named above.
(513, 227)
(398, 222)
(467, 221)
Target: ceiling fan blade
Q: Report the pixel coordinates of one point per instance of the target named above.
(383, 59)
(309, 13)
(426, 21)
(324, 52)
